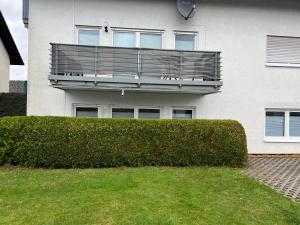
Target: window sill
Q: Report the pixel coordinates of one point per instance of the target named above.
(282, 140)
(287, 65)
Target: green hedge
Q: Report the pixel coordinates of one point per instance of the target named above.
(12, 104)
(57, 142)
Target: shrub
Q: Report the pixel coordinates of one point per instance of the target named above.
(12, 104)
(57, 142)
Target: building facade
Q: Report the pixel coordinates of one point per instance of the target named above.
(9, 54)
(233, 59)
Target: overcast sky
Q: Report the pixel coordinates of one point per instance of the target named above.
(12, 11)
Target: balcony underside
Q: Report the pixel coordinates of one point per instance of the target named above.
(143, 85)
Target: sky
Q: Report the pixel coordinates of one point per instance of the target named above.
(12, 12)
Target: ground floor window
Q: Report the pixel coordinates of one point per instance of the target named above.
(282, 123)
(86, 112)
(126, 113)
(182, 114)
(149, 113)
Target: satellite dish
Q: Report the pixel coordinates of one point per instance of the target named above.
(186, 8)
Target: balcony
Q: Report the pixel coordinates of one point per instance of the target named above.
(77, 67)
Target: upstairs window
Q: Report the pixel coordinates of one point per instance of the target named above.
(283, 50)
(185, 42)
(88, 37)
(124, 39)
(150, 40)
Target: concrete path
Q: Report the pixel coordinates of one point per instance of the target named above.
(281, 174)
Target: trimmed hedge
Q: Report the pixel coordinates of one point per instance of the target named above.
(57, 142)
(12, 104)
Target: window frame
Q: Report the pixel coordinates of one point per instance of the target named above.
(78, 105)
(196, 36)
(138, 33)
(122, 107)
(279, 64)
(145, 108)
(286, 137)
(136, 109)
(193, 109)
(80, 27)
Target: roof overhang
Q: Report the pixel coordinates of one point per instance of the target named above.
(9, 43)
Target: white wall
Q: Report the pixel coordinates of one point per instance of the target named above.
(4, 69)
(237, 28)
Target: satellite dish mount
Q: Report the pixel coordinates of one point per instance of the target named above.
(186, 8)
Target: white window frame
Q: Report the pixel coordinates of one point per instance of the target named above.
(138, 35)
(196, 34)
(193, 108)
(136, 109)
(81, 27)
(286, 138)
(146, 107)
(286, 65)
(79, 105)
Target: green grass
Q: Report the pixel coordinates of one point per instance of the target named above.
(140, 196)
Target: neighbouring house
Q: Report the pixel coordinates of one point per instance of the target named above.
(9, 54)
(231, 59)
(18, 86)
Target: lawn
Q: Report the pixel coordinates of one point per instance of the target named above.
(140, 196)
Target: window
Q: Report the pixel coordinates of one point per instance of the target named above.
(283, 50)
(86, 112)
(182, 114)
(295, 124)
(123, 113)
(136, 39)
(282, 125)
(149, 113)
(124, 39)
(88, 36)
(150, 40)
(275, 124)
(185, 42)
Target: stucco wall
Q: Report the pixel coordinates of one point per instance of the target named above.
(236, 28)
(4, 69)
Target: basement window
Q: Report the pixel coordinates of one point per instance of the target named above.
(182, 114)
(125, 113)
(86, 112)
(282, 126)
(149, 113)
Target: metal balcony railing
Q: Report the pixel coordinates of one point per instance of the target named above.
(101, 67)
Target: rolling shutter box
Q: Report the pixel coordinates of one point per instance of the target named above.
(282, 49)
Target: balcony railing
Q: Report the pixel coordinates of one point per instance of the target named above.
(114, 68)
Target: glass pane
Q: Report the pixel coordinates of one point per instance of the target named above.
(182, 114)
(88, 37)
(150, 40)
(86, 112)
(295, 124)
(275, 124)
(122, 113)
(149, 113)
(124, 39)
(185, 42)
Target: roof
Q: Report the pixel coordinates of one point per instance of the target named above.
(9, 43)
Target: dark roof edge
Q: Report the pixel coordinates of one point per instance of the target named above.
(9, 43)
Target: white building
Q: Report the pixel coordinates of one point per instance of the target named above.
(258, 42)
(9, 54)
